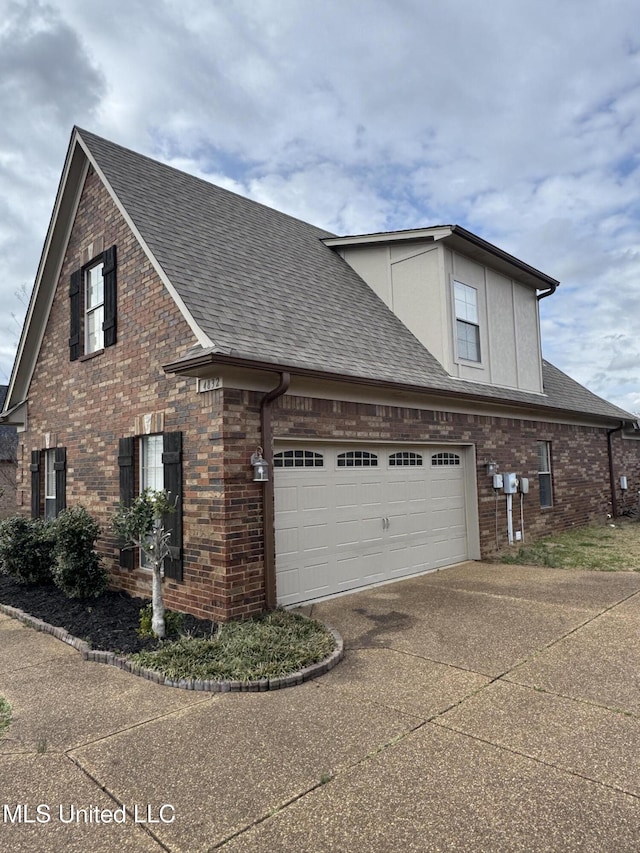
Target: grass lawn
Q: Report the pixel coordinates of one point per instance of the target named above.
(268, 646)
(612, 547)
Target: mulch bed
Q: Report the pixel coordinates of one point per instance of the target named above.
(108, 623)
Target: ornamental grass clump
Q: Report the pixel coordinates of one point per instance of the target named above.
(269, 646)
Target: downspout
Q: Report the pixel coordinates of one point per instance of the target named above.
(550, 292)
(612, 476)
(269, 532)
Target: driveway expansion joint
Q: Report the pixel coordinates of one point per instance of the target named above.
(538, 760)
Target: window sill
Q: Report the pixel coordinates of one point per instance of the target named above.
(91, 355)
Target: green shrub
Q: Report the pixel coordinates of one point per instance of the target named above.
(78, 570)
(27, 549)
(173, 619)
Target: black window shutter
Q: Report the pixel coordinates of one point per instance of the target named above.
(35, 483)
(75, 303)
(127, 489)
(60, 469)
(110, 296)
(172, 463)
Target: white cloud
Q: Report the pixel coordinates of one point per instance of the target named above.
(519, 121)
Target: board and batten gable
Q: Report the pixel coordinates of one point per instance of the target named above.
(416, 280)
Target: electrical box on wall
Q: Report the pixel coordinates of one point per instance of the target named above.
(510, 484)
(497, 481)
(623, 484)
(524, 485)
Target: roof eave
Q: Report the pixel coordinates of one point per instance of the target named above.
(457, 238)
(191, 366)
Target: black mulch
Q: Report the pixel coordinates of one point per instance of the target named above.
(108, 623)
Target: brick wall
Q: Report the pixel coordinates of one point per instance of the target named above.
(8, 495)
(87, 405)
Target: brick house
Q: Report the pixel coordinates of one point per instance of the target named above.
(176, 329)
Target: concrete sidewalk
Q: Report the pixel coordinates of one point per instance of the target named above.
(481, 708)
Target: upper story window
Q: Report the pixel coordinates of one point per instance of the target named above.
(467, 322)
(544, 473)
(94, 308)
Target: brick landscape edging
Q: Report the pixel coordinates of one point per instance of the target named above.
(306, 674)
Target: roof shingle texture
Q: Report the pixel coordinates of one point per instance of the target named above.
(262, 285)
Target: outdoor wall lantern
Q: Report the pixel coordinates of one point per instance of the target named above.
(260, 467)
(491, 468)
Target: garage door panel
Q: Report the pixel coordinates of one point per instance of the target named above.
(340, 528)
(360, 569)
(346, 495)
(314, 496)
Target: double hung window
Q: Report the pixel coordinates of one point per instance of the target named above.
(94, 308)
(467, 322)
(151, 472)
(544, 473)
(49, 484)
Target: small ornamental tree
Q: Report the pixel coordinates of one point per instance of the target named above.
(140, 526)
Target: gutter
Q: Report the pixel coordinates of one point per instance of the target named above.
(504, 256)
(612, 476)
(549, 292)
(269, 532)
(185, 367)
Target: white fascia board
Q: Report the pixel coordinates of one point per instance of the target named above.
(199, 334)
(437, 233)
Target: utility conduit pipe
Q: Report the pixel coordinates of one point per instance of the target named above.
(268, 513)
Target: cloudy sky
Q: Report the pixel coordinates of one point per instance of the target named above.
(517, 119)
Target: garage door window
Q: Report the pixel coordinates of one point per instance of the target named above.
(357, 459)
(405, 457)
(439, 459)
(297, 459)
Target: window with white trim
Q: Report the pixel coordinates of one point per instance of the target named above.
(49, 485)
(544, 473)
(151, 471)
(151, 468)
(357, 459)
(297, 459)
(404, 458)
(467, 322)
(94, 308)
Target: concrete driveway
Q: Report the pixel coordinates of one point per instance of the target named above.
(481, 708)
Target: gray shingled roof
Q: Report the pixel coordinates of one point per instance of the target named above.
(262, 285)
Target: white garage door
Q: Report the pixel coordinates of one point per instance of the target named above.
(350, 517)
